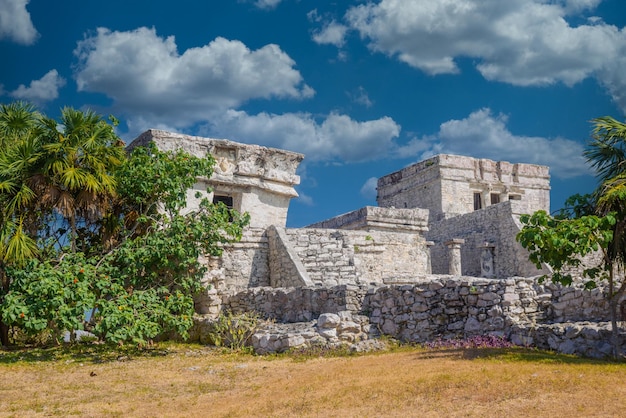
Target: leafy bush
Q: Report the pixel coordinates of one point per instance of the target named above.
(233, 331)
(131, 261)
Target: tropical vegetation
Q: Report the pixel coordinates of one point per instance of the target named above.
(92, 237)
(593, 223)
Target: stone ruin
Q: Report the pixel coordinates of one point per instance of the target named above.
(437, 258)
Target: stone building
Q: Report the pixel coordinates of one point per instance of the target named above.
(247, 178)
(445, 215)
(437, 258)
(452, 185)
(474, 207)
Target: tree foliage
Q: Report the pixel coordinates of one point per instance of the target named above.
(589, 223)
(95, 230)
(562, 243)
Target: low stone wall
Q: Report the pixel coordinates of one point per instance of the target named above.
(296, 304)
(589, 339)
(435, 307)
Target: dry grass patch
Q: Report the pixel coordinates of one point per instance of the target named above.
(196, 381)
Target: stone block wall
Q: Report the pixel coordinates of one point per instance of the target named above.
(497, 225)
(327, 255)
(286, 268)
(543, 315)
(243, 264)
(296, 304)
(333, 257)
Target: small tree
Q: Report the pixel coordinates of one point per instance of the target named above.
(589, 223)
(141, 282)
(563, 243)
(85, 227)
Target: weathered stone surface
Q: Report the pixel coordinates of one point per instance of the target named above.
(446, 185)
(370, 270)
(259, 180)
(328, 320)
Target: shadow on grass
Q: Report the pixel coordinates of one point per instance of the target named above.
(88, 353)
(513, 354)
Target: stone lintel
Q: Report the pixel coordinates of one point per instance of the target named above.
(379, 218)
(455, 242)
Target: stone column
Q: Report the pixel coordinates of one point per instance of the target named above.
(486, 198)
(486, 260)
(429, 264)
(454, 256)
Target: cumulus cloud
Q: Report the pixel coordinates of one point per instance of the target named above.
(337, 137)
(15, 23)
(521, 42)
(42, 90)
(146, 76)
(331, 33)
(577, 6)
(369, 188)
(484, 135)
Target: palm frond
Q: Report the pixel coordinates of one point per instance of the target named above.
(20, 247)
(607, 151)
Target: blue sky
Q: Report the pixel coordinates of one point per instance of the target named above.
(361, 88)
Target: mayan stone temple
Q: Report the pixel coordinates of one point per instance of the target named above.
(437, 258)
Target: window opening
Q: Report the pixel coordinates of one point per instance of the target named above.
(495, 198)
(478, 204)
(226, 200)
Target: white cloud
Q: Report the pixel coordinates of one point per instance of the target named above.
(148, 79)
(332, 33)
(15, 22)
(267, 4)
(42, 90)
(577, 6)
(369, 188)
(484, 135)
(305, 199)
(361, 97)
(521, 42)
(612, 77)
(337, 137)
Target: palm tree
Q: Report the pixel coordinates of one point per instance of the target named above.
(607, 150)
(50, 170)
(19, 149)
(607, 154)
(77, 172)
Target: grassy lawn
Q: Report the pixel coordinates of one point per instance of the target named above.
(189, 381)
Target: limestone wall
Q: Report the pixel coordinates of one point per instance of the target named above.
(327, 255)
(461, 307)
(296, 304)
(242, 265)
(529, 313)
(446, 185)
(333, 257)
(433, 306)
(259, 180)
(496, 225)
(286, 268)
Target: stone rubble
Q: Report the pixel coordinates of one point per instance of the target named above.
(546, 316)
